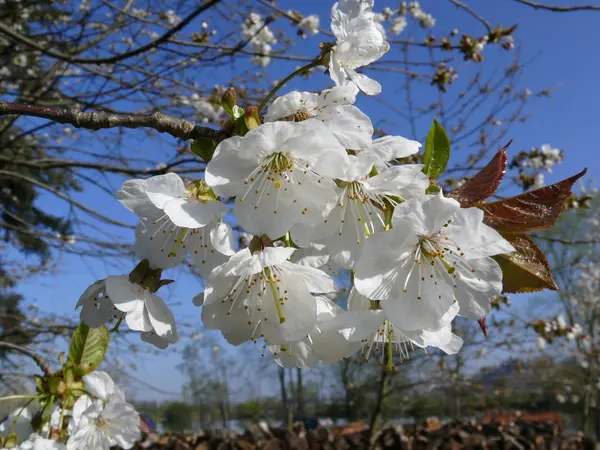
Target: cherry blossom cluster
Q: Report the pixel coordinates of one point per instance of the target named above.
(317, 193)
(99, 419)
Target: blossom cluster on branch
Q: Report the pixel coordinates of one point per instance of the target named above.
(318, 193)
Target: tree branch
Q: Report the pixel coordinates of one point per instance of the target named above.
(39, 360)
(176, 127)
(537, 5)
(111, 59)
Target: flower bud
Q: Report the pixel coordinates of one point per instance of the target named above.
(229, 99)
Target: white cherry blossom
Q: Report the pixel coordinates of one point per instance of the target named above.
(176, 219)
(37, 442)
(263, 295)
(321, 344)
(366, 323)
(104, 420)
(281, 174)
(361, 209)
(333, 107)
(144, 311)
(436, 254)
(359, 43)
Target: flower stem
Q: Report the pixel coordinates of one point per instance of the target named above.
(300, 71)
(19, 397)
(274, 292)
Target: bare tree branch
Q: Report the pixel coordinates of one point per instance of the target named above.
(176, 127)
(537, 5)
(111, 59)
(39, 360)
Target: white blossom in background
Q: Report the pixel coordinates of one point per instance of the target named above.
(206, 111)
(436, 254)
(260, 38)
(425, 20)
(281, 174)
(333, 107)
(359, 43)
(544, 158)
(321, 344)
(262, 294)
(103, 418)
(176, 220)
(398, 25)
(361, 208)
(311, 24)
(540, 342)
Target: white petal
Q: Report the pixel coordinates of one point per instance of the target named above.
(162, 188)
(99, 384)
(125, 295)
(426, 215)
(299, 312)
(189, 213)
(364, 83)
(221, 238)
(138, 319)
(244, 263)
(295, 354)
(391, 147)
(476, 239)
(407, 181)
(290, 104)
(316, 280)
(229, 167)
(134, 197)
(161, 317)
(152, 338)
(158, 242)
(338, 96)
(476, 290)
(351, 127)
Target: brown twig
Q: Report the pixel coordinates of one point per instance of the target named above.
(553, 8)
(111, 59)
(176, 127)
(39, 360)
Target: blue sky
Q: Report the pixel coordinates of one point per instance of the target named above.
(562, 50)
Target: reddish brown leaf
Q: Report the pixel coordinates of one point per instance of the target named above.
(484, 183)
(483, 326)
(525, 270)
(534, 210)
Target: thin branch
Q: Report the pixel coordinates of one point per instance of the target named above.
(111, 59)
(468, 9)
(537, 5)
(39, 360)
(176, 127)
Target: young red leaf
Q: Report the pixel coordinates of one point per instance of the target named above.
(483, 326)
(525, 270)
(484, 183)
(534, 210)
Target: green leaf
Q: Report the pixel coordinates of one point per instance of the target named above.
(204, 148)
(236, 112)
(88, 345)
(437, 151)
